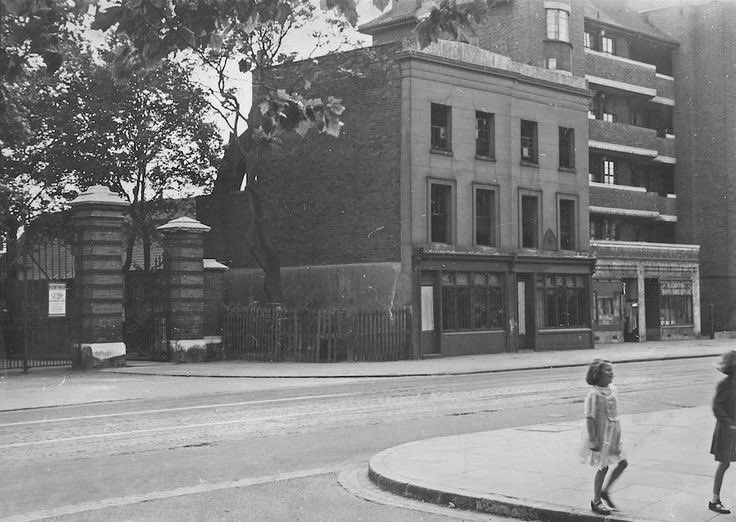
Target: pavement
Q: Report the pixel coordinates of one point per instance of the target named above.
(529, 472)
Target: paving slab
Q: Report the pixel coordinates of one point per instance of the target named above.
(532, 472)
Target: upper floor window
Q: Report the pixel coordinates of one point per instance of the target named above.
(557, 25)
(567, 148)
(440, 127)
(440, 202)
(567, 224)
(604, 228)
(588, 40)
(529, 141)
(609, 172)
(609, 117)
(484, 135)
(608, 45)
(529, 221)
(552, 64)
(485, 217)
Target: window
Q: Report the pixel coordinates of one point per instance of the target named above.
(485, 217)
(609, 117)
(552, 64)
(529, 221)
(567, 224)
(441, 209)
(676, 303)
(604, 228)
(472, 301)
(557, 26)
(567, 148)
(529, 141)
(588, 40)
(609, 172)
(440, 127)
(484, 135)
(608, 45)
(637, 117)
(562, 300)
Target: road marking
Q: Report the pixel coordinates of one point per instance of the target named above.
(169, 428)
(128, 500)
(181, 408)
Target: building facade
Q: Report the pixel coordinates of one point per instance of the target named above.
(538, 186)
(646, 285)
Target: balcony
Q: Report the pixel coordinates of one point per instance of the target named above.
(633, 201)
(630, 139)
(631, 76)
(666, 88)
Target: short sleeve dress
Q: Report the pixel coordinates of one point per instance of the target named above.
(601, 404)
(723, 446)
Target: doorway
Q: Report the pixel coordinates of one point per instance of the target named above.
(631, 310)
(525, 317)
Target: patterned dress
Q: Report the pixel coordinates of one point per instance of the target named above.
(601, 405)
(723, 446)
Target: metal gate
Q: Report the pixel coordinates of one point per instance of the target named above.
(145, 330)
(36, 306)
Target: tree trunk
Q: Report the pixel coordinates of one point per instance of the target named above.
(239, 161)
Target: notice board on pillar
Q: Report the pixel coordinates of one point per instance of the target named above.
(57, 299)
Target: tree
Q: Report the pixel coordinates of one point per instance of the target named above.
(249, 33)
(146, 139)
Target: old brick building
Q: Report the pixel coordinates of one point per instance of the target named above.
(524, 189)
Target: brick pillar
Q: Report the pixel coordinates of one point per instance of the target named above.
(97, 219)
(184, 268)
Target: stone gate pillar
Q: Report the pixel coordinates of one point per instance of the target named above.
(184, 269)
(97, 219)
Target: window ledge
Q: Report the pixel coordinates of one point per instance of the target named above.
(556, 40)
(568, 169)
(529, 163)
(485, 158)
(441, 152)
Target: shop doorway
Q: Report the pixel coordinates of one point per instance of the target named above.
(525, 318)
(631, 310)
(651, 299)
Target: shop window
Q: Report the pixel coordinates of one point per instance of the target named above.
(440, 127)
(567, 221)
(529, 221)
(567, 148)
(484, 135)
(608, 310)
(676, 303)
(485, 217)
(441, 213)
(557, 25)
(529, 141)
(562, 301)
(472, 301)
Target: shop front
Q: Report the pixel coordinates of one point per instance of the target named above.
(491, 303)
(645, 291)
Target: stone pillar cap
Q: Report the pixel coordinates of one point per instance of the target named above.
(100, 195)
(184, 224)
(213, 264)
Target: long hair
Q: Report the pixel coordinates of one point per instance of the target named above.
(595, 369)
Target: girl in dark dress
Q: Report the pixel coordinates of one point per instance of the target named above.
(723, 446)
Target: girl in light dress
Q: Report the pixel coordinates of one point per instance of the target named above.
(601, 438)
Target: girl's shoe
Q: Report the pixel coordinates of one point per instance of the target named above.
(599, 508)
(713, 506)
(605, 496)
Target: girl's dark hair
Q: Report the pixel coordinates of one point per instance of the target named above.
(728, 363)
(594, 371)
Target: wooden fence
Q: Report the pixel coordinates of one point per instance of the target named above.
(275, 333)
